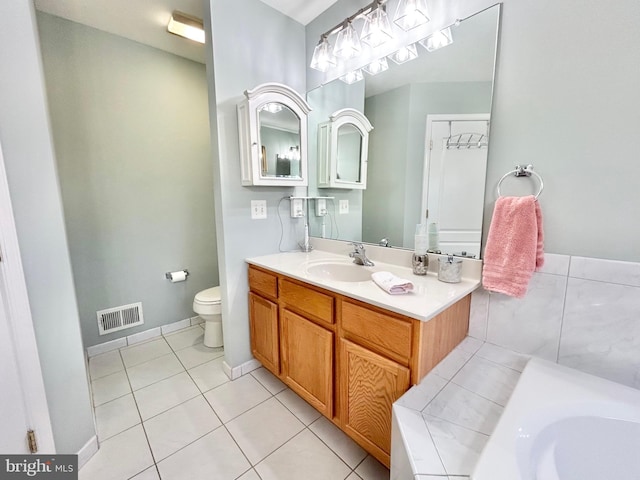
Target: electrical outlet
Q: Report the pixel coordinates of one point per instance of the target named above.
(321, 207)
(344, 207)
(297, 208)
(258, 209)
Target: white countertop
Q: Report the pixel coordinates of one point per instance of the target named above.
(429, 297)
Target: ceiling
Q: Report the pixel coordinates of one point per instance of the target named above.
(145, 21)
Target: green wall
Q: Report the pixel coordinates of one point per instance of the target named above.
(131, 134)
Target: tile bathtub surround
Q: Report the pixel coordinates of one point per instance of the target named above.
(580, 312)
(441, 425)
(165, 410)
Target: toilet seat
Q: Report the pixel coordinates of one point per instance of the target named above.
(210, 296)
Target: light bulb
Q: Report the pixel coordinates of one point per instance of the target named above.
(404, 54)
(377, 66)
(322, 59)
(438, 40)
(348, 43)
(377, 29)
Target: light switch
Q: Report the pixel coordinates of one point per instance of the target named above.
(344, 207)
(258, 209)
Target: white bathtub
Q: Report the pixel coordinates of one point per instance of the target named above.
(562, 424)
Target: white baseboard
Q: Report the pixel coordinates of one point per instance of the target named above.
(141, 336)
(242, 369)
(88, 451)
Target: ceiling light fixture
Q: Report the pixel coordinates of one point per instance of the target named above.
(186, 26)
(411, 13)
(438, 40)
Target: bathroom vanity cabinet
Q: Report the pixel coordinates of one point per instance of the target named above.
(348, 359)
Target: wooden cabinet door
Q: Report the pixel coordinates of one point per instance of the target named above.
(307, 360)
(263, 320)
(369, 384)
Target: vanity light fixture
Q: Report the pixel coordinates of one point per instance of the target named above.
(438, 40)
(411, 13)
(186, 26)
(352, 77)
(377, 66)
(404, 54)
(348, 43)
(323, 58)
(377, 29)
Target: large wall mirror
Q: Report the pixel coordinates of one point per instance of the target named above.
(427, 152)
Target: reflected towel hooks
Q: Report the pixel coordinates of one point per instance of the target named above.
(522, 171)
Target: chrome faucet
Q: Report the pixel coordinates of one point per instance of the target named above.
(359, 255)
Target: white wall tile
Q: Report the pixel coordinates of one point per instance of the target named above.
(555, 264)
(479, 314)
(530, 325)
(601, 330)
(612, 271)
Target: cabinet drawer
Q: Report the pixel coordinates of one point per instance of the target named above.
(313, 304)
(378, 331)
(263, 283)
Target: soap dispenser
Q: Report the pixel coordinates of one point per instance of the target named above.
(420, 259)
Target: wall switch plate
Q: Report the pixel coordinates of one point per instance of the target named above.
(321, 207)
(297, 207)
(258, 209)
(344, 207)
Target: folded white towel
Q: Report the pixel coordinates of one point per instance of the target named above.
(392, 284)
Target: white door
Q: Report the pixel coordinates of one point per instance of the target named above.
(23, 403)
(453, 192)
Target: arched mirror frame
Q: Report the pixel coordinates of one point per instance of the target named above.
(328, 148)
(249, 133)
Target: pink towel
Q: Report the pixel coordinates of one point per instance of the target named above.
(514, 246)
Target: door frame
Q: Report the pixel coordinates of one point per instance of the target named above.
(431, 119)
(13, 289)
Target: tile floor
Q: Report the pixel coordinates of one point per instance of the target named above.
(165, 410)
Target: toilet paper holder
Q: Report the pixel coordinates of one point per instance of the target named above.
(169, 275)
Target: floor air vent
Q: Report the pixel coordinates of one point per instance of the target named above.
(119, 318)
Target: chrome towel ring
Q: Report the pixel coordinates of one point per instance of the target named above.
(522, 171)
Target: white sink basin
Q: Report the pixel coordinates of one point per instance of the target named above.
(340, 271)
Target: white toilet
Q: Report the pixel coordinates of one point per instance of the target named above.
(207, 304)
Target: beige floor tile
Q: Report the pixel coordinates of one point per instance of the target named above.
(178, 427)
(143, 352)
(165, 394)
(304, 456)
(209, 375)
(338, 441)
(109, 388)
(372, 469)
(269, 380)
(214, 456)
(250, 475)
(300, 408)
(195, 355)
(263, 429)
(234, 398)
(105, 364)
(116, 416)
(185, 338)
(120, 457)
(153, 371)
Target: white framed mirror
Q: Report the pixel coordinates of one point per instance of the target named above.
(272, 126)
(343, 149)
